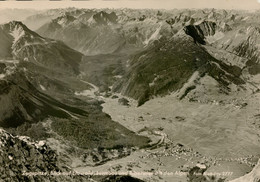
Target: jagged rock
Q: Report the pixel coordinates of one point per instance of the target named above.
(20, 155)
(200, 31)
(22, 159)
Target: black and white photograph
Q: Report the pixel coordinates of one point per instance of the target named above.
(130, 91)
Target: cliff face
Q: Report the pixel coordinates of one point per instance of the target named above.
(200, 31)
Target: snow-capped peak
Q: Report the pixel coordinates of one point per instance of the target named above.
(17, 32)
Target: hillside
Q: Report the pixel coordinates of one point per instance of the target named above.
(165, 67)
(21, 43)
(36, 90)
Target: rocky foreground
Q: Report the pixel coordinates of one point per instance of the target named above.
(22, 159)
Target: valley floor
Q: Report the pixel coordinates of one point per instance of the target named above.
(188, 134)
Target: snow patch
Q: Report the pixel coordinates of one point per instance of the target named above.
(201, 166)
(75, 117)
(9, 61)
(2, 76)
(42, 87)
(10, 157)
(91, 21)
(154, 80)
(227, 42)
(154, 36)
(244, 19)
(40, 144)
(62, 21)
(30, 142)
(199, 22)
(17, 33)
(217, 36)
(85, 93)
(118, 76)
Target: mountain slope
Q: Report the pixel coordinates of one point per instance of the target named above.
(27, 99)
(78, 121)
(166, 67)
(26, 45)
(21, 102)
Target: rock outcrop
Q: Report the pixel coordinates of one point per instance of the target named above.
(200, 31)
(22, 159)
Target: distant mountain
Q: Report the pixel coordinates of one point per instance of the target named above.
(230, 48)
(82, 36)
(103, 18)
(40, 18)
(166, 67)
(245, 44)
(10, 14)
(21, 43)
(101, 32)
(241, 41)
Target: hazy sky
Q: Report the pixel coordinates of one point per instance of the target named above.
(157, 4)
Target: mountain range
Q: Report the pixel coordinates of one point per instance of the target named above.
(59, 67)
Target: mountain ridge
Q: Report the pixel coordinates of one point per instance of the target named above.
(27, 45)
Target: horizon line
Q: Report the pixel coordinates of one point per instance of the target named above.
(134, 4)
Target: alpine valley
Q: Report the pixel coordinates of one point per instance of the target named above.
(130, 95)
